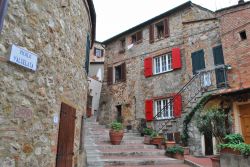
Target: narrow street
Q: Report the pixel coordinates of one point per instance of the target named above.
(131, 152)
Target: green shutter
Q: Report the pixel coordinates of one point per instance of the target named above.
(87, 55)
(198, 61)
(218, 55)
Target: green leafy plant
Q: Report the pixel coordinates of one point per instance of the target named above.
(242, 147)
(148, 131)
(154, 134)
(212, 122)
(188, 118)
(233, 139)
(174, 150)
(116, 126)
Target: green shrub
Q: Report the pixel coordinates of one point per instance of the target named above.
(233, 139)
(242, 147)
(174, 150)
(154, 134)
(116, 126)
(148, 131)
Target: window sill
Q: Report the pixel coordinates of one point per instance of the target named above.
(164, 119)
(117, 83)
(162, 72)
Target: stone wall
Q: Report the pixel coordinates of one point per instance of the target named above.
(56, 31)
(132, 93)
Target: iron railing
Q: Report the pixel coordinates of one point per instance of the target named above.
(203, 81)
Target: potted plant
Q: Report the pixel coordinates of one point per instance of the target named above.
(116, 133)
(147, 135)
(156, 139)
(234, 144)
(175, 152)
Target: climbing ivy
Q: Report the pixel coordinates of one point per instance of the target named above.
(188, 118)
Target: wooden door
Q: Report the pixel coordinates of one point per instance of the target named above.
(65, 146)
(245, 122)
(208, 144)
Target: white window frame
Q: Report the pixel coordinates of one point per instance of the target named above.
(98, 52)
(163, 63)
(168, 112)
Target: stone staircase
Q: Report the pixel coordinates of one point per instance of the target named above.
(131, 152)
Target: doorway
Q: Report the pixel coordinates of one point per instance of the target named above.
(245, 121)
(119, 113)
(65, 144)
(208, 144)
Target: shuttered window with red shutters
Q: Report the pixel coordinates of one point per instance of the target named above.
(176, 58)
(149, 110)
(177, 105)
(148, 71)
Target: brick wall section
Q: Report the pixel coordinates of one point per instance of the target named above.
(236, 51)
(58, 35)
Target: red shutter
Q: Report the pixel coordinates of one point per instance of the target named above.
(166, 28)
(151, 33)
(149, 110)
(176, 58)
(148, 67)
(177, 105)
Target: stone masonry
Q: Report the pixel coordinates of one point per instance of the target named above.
(30, 101)
(132, 93)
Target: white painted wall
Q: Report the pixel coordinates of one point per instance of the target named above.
(95, 91)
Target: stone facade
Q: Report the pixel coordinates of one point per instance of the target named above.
(129, 96)
(96, 68)
(30, 101)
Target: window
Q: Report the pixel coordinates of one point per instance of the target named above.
(137, 37)
(165, 106)
(116, 74)
(198, 61)
(160, 30)
(243, 35)
(163, 63)
(98, 52)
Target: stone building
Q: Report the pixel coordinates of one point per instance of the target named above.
(159, 70)
(44, 47)
(96, 67)
(235, 32)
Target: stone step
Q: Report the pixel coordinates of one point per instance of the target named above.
(106, 137)
(127, 152)
(133, 160)
(168, 165)
(128, 146)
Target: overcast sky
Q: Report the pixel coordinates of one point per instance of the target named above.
(116, 16)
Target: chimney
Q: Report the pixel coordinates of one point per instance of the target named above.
(241, 2)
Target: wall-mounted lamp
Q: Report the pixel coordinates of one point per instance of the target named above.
(228, 67)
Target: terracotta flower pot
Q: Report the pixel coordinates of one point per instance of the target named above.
(215, 161)
(116, 136)
(230, 151)
(169, 144)
(176, 156)
(147, 139)
(156, 140)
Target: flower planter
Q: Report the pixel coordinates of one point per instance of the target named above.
(215, 161)
(157, 140)
(230, 151)
(186, 150)
(147, 139)
(170, 143)
(116, 136)
(176, 156)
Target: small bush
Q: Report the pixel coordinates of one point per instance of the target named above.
(148, 131)
(233, 139)
(174, 150)
(242, 147)
(116, 126)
